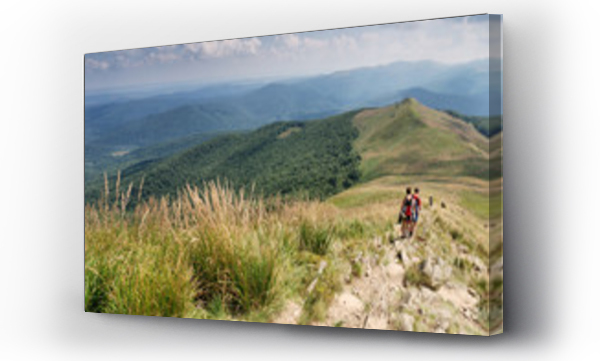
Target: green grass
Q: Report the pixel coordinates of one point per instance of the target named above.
(482, 205)
(317, 302)
(126, 276)
(314, 238)
(243, 277)
(360, 197)
(409, 139)
(216, 253)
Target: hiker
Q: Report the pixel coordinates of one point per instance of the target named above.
(416, 209)
(406, 213)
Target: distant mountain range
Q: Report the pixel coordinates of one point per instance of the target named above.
(130, 125)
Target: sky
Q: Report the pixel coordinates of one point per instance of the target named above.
(452, 40)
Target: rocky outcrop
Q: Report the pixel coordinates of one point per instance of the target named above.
(435, 272)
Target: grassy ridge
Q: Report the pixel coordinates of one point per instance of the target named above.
(411, 139)
(488, 126)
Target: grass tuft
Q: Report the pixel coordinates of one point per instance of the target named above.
(314, 238)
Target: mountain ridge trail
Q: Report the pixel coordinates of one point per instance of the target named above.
(387, 296)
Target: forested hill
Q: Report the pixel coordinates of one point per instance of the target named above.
(314, 159)
(320, 158)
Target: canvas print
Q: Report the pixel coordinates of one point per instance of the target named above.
(344, 178)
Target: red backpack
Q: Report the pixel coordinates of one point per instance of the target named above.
(416, 197)
(407, 205)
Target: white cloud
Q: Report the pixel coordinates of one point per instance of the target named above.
(96, 64)
(296, 46)
(369, 37)
(314, 43)
(448, 41)
(291, 41)
(163, 57)
(345, 43)
(224, 48)
(194, 47)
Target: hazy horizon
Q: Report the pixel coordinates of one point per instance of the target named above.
(278, 57)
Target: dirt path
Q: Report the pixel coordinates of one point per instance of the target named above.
(383, 299)
(422, 284)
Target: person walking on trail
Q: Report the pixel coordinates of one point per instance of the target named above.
(416, 210)
(406, 213)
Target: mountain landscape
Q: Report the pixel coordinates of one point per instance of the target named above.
(349, 177)
(405, 138)
(289, 216)
(119, 128)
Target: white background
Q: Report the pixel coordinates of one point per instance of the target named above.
(552, 247)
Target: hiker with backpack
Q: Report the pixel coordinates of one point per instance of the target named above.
(405, 218)
(416, 210)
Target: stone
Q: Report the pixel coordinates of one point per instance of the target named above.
(443, 321)
(477, 263)
(406, 322)
(395, 272)
(427, 295)
(436, 271)
(376, 323)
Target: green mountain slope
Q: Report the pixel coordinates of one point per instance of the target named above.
(488, 126)
(314, 159)
(100, 160)
(410, 139)
(323, 157)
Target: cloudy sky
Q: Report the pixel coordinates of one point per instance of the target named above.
(451, 40)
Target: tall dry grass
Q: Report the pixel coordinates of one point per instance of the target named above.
(212, 252)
